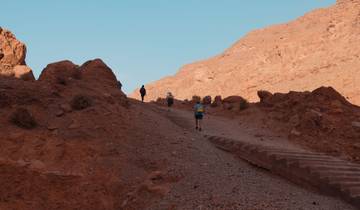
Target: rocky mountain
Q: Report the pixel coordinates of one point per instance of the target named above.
(12, 57)
(322, 48)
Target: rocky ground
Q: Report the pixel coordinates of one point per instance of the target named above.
(321, 120)
(72, 140)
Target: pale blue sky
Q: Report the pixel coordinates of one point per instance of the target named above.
(141, 40)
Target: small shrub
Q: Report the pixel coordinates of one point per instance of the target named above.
(244, 104)
(23, 119)
(4, 100)
(80, 102)
(61, 80)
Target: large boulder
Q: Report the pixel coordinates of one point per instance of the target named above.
(235, 103)
(12, 57)
(233, 99)
(60, 72)
(98, 72)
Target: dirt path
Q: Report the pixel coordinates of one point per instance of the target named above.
(214, 179)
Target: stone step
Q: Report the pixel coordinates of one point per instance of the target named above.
(331, 167)
(311, 163)
(342, 184)
(292, 159)
(348, 184)
(290, 152)
(299, 155)
(336, 173)
(340, 179)
(330, 175)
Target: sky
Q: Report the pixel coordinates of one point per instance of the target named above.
(141, 40)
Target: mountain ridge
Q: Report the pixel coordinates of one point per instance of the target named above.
(317, 49)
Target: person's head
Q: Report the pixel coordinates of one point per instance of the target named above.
(197, 102)
(142, 86)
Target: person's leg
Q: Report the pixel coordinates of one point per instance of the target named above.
(199, 124)
(196, 123)
(142, 98)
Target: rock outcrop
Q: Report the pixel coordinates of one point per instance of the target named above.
(12, 57)
(321, 48)
(95, 72)
(322, 119)
(59, 72)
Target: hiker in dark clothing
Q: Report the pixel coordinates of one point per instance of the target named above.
(170, 99)
(142, 93)
(119, 85)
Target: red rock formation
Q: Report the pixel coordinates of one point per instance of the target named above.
(12, 57)
(318, 49)
(97, 71)
(322, 119)
(59, 72)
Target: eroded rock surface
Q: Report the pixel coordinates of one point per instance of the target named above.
(12, 57)
(319, 49)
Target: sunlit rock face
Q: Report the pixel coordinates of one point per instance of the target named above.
(322, 48)
(12, 57)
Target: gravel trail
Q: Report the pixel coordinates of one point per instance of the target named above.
(214, 179)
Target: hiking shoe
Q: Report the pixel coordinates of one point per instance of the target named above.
(196, 127)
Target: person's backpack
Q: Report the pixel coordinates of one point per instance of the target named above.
(200, 109)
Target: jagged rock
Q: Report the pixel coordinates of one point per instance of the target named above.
(217, 101)
(207, 100)
(12, 57)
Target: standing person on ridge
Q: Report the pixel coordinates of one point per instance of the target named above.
(199, 114)
(142, 93)
(119, 85)
(169, 99)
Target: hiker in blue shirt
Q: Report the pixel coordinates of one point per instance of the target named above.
(199, 114)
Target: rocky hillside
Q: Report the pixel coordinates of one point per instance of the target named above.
(318, 49)
(72, 140)
(12, 57)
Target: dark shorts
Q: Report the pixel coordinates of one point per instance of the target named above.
(170, 102)
(199, 116)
